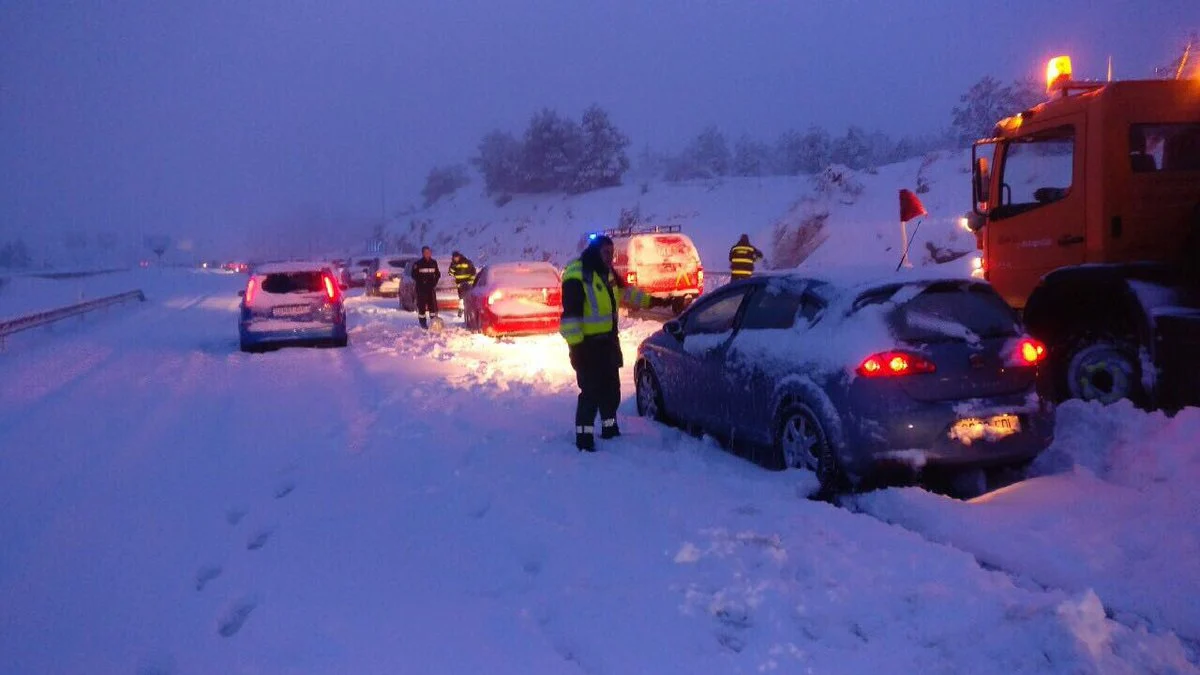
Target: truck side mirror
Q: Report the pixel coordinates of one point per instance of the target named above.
(981, 184)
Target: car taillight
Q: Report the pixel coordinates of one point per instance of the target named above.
(631, 278)
(381, 274)
(330, 287)
(496, 296)
(250, 288)
(1030, 352)
(894, 364)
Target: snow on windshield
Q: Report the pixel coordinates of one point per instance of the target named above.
(662, 248)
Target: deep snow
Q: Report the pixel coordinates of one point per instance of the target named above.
(414, 504)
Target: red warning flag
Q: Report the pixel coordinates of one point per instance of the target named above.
(910, 206)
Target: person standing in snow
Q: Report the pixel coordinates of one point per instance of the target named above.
(742, 257)
(425, 274)
(463, 271)
(591, 294)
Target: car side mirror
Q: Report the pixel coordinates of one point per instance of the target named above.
(674, 329)
(242, 293)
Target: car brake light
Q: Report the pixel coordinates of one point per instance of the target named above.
(250, 288)
(330, 287)
(496, 296)
(631, 278)
(894, 364)
(1030, 352)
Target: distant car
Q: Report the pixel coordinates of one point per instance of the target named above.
(291, 303)
(516, 298)
(447, 291)
(391, 271)
(850, 379)
(659, 260)
(360, 270)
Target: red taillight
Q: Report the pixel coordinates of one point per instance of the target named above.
(330, 287)
(250, 288)
(631, 278)
(1030, 352)
(381, 274)
(700, 276)
(496, 296)
(894, 364)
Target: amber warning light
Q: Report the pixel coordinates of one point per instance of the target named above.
(1058, 72)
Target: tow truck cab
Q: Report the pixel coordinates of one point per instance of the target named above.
(1088, 215)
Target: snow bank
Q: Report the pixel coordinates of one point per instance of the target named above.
(1112, 510)
(850, 217)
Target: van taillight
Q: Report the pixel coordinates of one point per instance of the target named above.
(330, 287)
(631, 278)
(700, 275)
(250, 288)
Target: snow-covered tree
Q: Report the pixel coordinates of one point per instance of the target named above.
(602, 160)
(706, 156)
(499, 162)
(551, 153)
(797, 153)
(853, 149)
(444, 181)
(987, 102)
(751, 158)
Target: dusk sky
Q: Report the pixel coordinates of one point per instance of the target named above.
(144, 115)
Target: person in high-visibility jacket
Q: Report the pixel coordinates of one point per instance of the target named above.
(742, 257)
(463, 271)
(591, 294)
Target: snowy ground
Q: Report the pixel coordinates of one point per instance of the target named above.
(414, 504)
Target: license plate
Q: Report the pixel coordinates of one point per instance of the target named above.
(993, 428)
(292, 310)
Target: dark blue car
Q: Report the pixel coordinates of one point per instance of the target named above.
(847, 377)
(291, 303)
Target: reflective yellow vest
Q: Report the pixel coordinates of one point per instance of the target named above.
(599, 314)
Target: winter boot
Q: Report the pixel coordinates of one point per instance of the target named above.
(424, 322)
(609, 429)
(585, 441)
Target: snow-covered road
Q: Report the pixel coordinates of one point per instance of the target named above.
(414, 504)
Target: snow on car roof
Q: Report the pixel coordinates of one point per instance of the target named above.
(286, 267)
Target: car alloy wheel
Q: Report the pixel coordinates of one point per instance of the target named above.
(802, 444)
(649, 397)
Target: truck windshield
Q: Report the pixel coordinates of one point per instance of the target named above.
(1037, 170)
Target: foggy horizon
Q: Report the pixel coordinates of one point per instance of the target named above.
(228, 119)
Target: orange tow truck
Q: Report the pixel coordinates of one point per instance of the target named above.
(1088, 215)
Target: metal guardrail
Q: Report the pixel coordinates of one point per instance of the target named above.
(50, 316)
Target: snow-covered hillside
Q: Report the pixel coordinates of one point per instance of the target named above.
(840, 216)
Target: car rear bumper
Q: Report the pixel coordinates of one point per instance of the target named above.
(521, 325)
(301, 332)
(929, 435)
(388, 287)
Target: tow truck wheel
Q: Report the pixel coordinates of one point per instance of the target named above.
(1102, 368)
(680, 303)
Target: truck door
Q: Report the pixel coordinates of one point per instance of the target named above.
(1037, 223)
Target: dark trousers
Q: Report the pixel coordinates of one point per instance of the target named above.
(597, 372)
(426, 304)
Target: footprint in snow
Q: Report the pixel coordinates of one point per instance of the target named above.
(234, 516)
(284, 489)
(235, 617)
(207, 574)
(259, 539)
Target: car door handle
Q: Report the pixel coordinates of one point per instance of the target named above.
(1069, 240)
